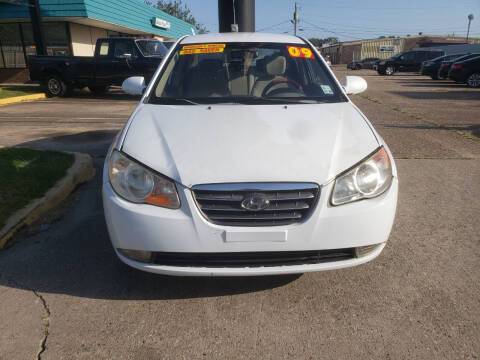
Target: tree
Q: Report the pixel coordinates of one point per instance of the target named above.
(179, 10)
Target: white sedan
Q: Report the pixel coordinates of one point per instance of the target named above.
(246, 157)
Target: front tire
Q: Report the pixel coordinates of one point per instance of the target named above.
(474, 80)
(434, 77)
(389, 70)
(55, 86)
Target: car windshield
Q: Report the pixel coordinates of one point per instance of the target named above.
(151, 47)
(251, 73)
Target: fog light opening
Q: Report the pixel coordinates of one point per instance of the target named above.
(363, 251)
(137, 255)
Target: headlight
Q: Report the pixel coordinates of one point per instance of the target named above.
(368, 179)
(135, 183)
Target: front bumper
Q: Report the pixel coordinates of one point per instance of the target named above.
(150, 228)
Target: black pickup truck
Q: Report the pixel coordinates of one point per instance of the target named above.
(115, 60)
(407, 61)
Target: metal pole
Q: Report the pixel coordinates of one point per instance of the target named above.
(470, 18)
(37, 30)
(239, 12)
(468, 31)
(295, 19)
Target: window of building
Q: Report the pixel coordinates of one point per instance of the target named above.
(17, 43)
(11, 46)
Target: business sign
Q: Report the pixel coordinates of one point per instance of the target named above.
(160, 23)
(387, 48)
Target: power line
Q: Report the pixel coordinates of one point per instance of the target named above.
(272, 26)
(333, 32)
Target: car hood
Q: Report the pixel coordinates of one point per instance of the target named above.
(199, 144)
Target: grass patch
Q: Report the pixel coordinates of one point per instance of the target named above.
(27, 174)
(8, 91)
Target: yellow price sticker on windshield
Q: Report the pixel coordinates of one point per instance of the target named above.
(202, 49)
(296, 51)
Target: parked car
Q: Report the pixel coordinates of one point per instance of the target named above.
(115, 60)
(366, 63)
(257, 166)
(410, 61)
(431, 67)
(445, 66)
(466, 71)
(168, 44)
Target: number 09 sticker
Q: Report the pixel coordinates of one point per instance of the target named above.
(303, 52)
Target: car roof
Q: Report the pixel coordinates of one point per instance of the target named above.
(242, 37)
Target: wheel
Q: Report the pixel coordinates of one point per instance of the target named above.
(358, 67)
(389, 70)
(97, 90)
(474, 80)
(55, 86)
(434, 77)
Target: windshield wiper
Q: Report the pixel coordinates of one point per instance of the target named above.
(187, 101)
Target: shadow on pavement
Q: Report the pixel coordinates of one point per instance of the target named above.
(73, 256)
(439, 95)
(474, 128)
(95, 142)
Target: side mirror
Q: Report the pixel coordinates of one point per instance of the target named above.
(134, 85)
(354, 84)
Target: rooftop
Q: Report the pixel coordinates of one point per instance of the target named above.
(243, 37)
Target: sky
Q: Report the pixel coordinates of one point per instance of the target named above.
(354, 19)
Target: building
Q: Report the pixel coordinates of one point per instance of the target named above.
(72, 28)
(384, 48)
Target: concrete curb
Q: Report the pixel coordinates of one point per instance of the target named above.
(81, 171)
(17, 99)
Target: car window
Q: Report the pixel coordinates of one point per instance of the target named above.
(151, 47)
(409, 56)
(427, 55)
(123, 47)
(245, 72)
(104, 47)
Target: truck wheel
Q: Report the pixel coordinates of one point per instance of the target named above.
(55, 86)
(389, 70)
(474, 80)
(97, 90)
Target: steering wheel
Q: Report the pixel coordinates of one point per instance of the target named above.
(281, 80)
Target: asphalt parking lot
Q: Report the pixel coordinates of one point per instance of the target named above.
(65, 295)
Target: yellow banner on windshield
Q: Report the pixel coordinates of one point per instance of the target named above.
(202, 49)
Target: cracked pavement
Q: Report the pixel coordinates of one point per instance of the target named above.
(418, 300)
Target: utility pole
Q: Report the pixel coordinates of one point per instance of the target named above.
(236, 15)
(295, 20)
(36, 18)
(470, 18)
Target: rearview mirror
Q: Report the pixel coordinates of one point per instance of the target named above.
(354, 84)
(134, 85)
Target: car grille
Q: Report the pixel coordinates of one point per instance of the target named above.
(287, 203)
(252, 259)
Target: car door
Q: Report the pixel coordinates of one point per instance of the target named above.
(405, 62)
(103, 62)
(125, 57)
